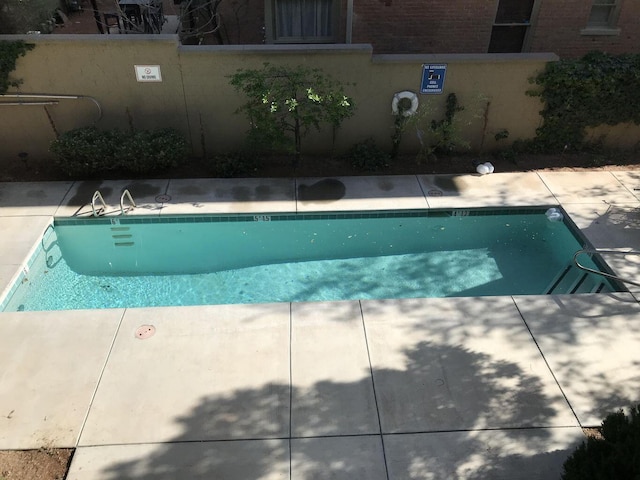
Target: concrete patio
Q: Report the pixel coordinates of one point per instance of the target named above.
(436, 388)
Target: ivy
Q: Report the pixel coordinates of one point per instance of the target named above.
(9, 54)
(578, 93)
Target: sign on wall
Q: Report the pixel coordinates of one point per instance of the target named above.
(433, 78)
(148, 73)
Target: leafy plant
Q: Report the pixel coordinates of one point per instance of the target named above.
(578, 93)
(439, 136)
(9, 54)
(284, 103)
(444, 130)
(20, 16)
(615, 453)
(401, 118)
(88, 151)
(234, 164)
(368, 156)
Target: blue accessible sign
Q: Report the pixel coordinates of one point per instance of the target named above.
(433, 78)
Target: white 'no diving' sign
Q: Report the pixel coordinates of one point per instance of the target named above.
(148, 73)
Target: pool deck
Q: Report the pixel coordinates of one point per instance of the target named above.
(488, 387)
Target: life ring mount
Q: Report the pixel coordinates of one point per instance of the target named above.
(405, 95)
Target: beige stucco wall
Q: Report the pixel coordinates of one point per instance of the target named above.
(195, 96)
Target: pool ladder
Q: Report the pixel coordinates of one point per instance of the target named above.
(595, 251)
(577, 278)
(101, 210)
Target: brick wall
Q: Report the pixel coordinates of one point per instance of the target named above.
(464, 26)
(559, 24)
(416, 26)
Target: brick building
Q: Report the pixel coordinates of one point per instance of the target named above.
(569, 28)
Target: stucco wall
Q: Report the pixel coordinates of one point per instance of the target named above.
(195, 96)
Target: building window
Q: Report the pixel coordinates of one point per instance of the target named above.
(302, 21)
(511, 26)
(603, 18)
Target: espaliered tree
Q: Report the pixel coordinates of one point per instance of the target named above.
(284, 103)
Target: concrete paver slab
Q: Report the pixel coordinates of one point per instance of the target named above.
(530, 454)
(338, 458)
(31, 198)
(147, 194)
(7, 275)
(233, 195)
(608, 226)
(18, 238)
(592, 345)
(50, 364)
(497, 189)
(257, 459)
(458, 363)
(330, 372)
(208, 373)
(587, 187)
(359, 193)
(631, 180)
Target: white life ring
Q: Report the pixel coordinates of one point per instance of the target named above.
(411, 96)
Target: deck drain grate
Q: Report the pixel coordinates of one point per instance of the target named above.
(164, 198)
(145, 331)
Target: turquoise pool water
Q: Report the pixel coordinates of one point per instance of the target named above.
(221, 259)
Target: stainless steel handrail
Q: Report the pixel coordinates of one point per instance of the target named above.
(97, 196)
(126, 194)
(592, 251)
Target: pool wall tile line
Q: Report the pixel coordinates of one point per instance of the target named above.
(276, 217)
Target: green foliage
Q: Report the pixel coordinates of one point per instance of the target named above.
(615, 455)
(501, 135)
(440, 136)
(284, 103)
(444, 130)
(578, 93)
(234, 164)
(21, 16)
(91, 152)
(368, 156)
(400, 121)
(9, 54)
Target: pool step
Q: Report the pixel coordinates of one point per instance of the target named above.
(571, 279)
(121, 238)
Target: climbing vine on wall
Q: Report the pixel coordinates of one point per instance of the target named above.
(578, 93)
(9, 54)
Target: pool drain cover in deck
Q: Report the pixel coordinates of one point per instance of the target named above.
(145, 331)
(163, 198)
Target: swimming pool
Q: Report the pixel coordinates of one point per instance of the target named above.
(221, 259)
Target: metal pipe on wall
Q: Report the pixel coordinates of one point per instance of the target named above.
(47, 96)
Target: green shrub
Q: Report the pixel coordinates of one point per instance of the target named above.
(9, 54)
(368, 156)
(616, 455)
(234, 164)
(594, 90)
(87, 151)
(91, 152)
(146, 151)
